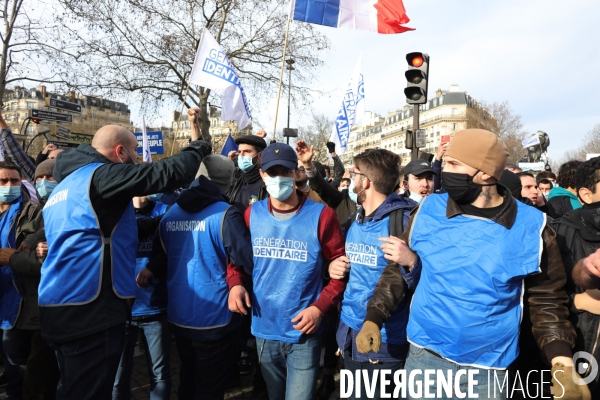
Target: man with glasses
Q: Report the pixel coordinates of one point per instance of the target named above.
(88, 277)
(292, 239)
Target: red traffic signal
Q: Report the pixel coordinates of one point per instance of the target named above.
(416, 61)
(35, 120)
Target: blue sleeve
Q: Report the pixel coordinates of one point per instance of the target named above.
(14, 150)
(413, 276)
(236, 240)
(437, 175)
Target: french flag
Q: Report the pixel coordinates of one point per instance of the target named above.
(381, 16)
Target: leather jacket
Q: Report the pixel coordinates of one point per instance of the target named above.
(544, 295)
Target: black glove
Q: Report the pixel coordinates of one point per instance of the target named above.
(273, 141)
(330, 147)
(204, 147)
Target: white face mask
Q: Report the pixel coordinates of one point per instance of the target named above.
(416, 197)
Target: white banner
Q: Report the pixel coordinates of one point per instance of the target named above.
(352, 110)
(531, 141)
(213, 70)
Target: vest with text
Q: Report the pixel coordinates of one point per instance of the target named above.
(287, 273)
(197, 267)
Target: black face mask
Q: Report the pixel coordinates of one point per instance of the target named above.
(461, 188)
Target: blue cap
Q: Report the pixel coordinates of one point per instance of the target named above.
(279, 154)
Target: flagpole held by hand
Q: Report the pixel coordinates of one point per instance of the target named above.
(287, 30)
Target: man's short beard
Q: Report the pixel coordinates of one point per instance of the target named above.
(301, 183)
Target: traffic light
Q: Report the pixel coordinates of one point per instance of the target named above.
(35, 120)
(417, 78)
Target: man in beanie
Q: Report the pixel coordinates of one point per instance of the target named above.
(481, 253)
(199, 235)
(247, 187)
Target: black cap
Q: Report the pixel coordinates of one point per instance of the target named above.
(252, 140)
(417, 167)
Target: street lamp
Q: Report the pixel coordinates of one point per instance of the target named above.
(290, 68)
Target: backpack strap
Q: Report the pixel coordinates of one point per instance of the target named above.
(397, 222)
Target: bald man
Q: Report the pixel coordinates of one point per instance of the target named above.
(88, 277)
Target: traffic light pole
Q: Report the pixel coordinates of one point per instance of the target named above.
(414, 154)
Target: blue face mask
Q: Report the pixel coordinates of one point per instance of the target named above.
(279, 187)
(45, 188)
(245, 163)
(353, 196)
(9, 194)
(416, 197)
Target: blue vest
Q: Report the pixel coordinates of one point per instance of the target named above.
(150, 300)
(197, 267)
(287, 269)
(72, 271)
(10, 298)
(468, 304)
(367, 264)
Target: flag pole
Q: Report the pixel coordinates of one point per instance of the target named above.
(287, 30)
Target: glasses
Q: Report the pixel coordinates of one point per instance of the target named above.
(302, 169)
(354, 173)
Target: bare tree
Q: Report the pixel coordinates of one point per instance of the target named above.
(317, 133)
(23, 37)
(147, 48)
(591, 141)
(500, 119)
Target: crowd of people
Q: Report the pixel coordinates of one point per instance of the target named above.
(267, 262)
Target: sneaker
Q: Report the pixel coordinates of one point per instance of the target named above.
(245, 364)
(327, 387)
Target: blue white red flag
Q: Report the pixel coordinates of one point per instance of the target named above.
(381, 16)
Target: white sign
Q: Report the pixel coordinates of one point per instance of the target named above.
(420, 138)
(531, 141)
(534, 166)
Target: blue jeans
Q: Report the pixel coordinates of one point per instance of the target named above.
(88, 365)
(290, 369)
(16, 344)
(421, 359)
(158, 358)
(353, 366)
(206, 367)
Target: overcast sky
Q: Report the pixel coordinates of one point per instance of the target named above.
(542, 56)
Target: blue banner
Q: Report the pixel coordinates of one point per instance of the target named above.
(155, 140)
(229, 146)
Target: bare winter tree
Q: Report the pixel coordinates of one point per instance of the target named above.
(317, 133)
(500, 119)
(23, 37)
(147, 48)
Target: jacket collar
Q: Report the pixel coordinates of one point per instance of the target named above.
(505, 217)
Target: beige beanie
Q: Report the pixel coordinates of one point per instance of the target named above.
(479, 149)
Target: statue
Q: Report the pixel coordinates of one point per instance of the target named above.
(537, 152)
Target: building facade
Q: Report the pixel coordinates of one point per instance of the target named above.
(444, 114)
(96, 112)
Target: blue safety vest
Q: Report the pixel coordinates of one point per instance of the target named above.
(287, 269)
(10, 298)
(197, 267)
(366, 266)
(72, 271)
(150, 300)
(468, 304)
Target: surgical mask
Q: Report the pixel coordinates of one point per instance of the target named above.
(461, 188)
(45, 188)
(245, 163)
(416, 197)
(353, 196)
(8, 194)
(154, 197)
(279, 187)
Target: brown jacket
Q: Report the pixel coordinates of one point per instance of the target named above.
(544, 291)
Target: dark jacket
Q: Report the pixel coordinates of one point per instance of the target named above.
(112, 187)
(340, 201)
(573, 248)
(338, 172)
(560, 201)
(544, 292)
(246, 185)
(29, 221)
(236, 240)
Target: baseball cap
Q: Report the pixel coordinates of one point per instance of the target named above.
(279, 154)
(252, 140)
(418, 167)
